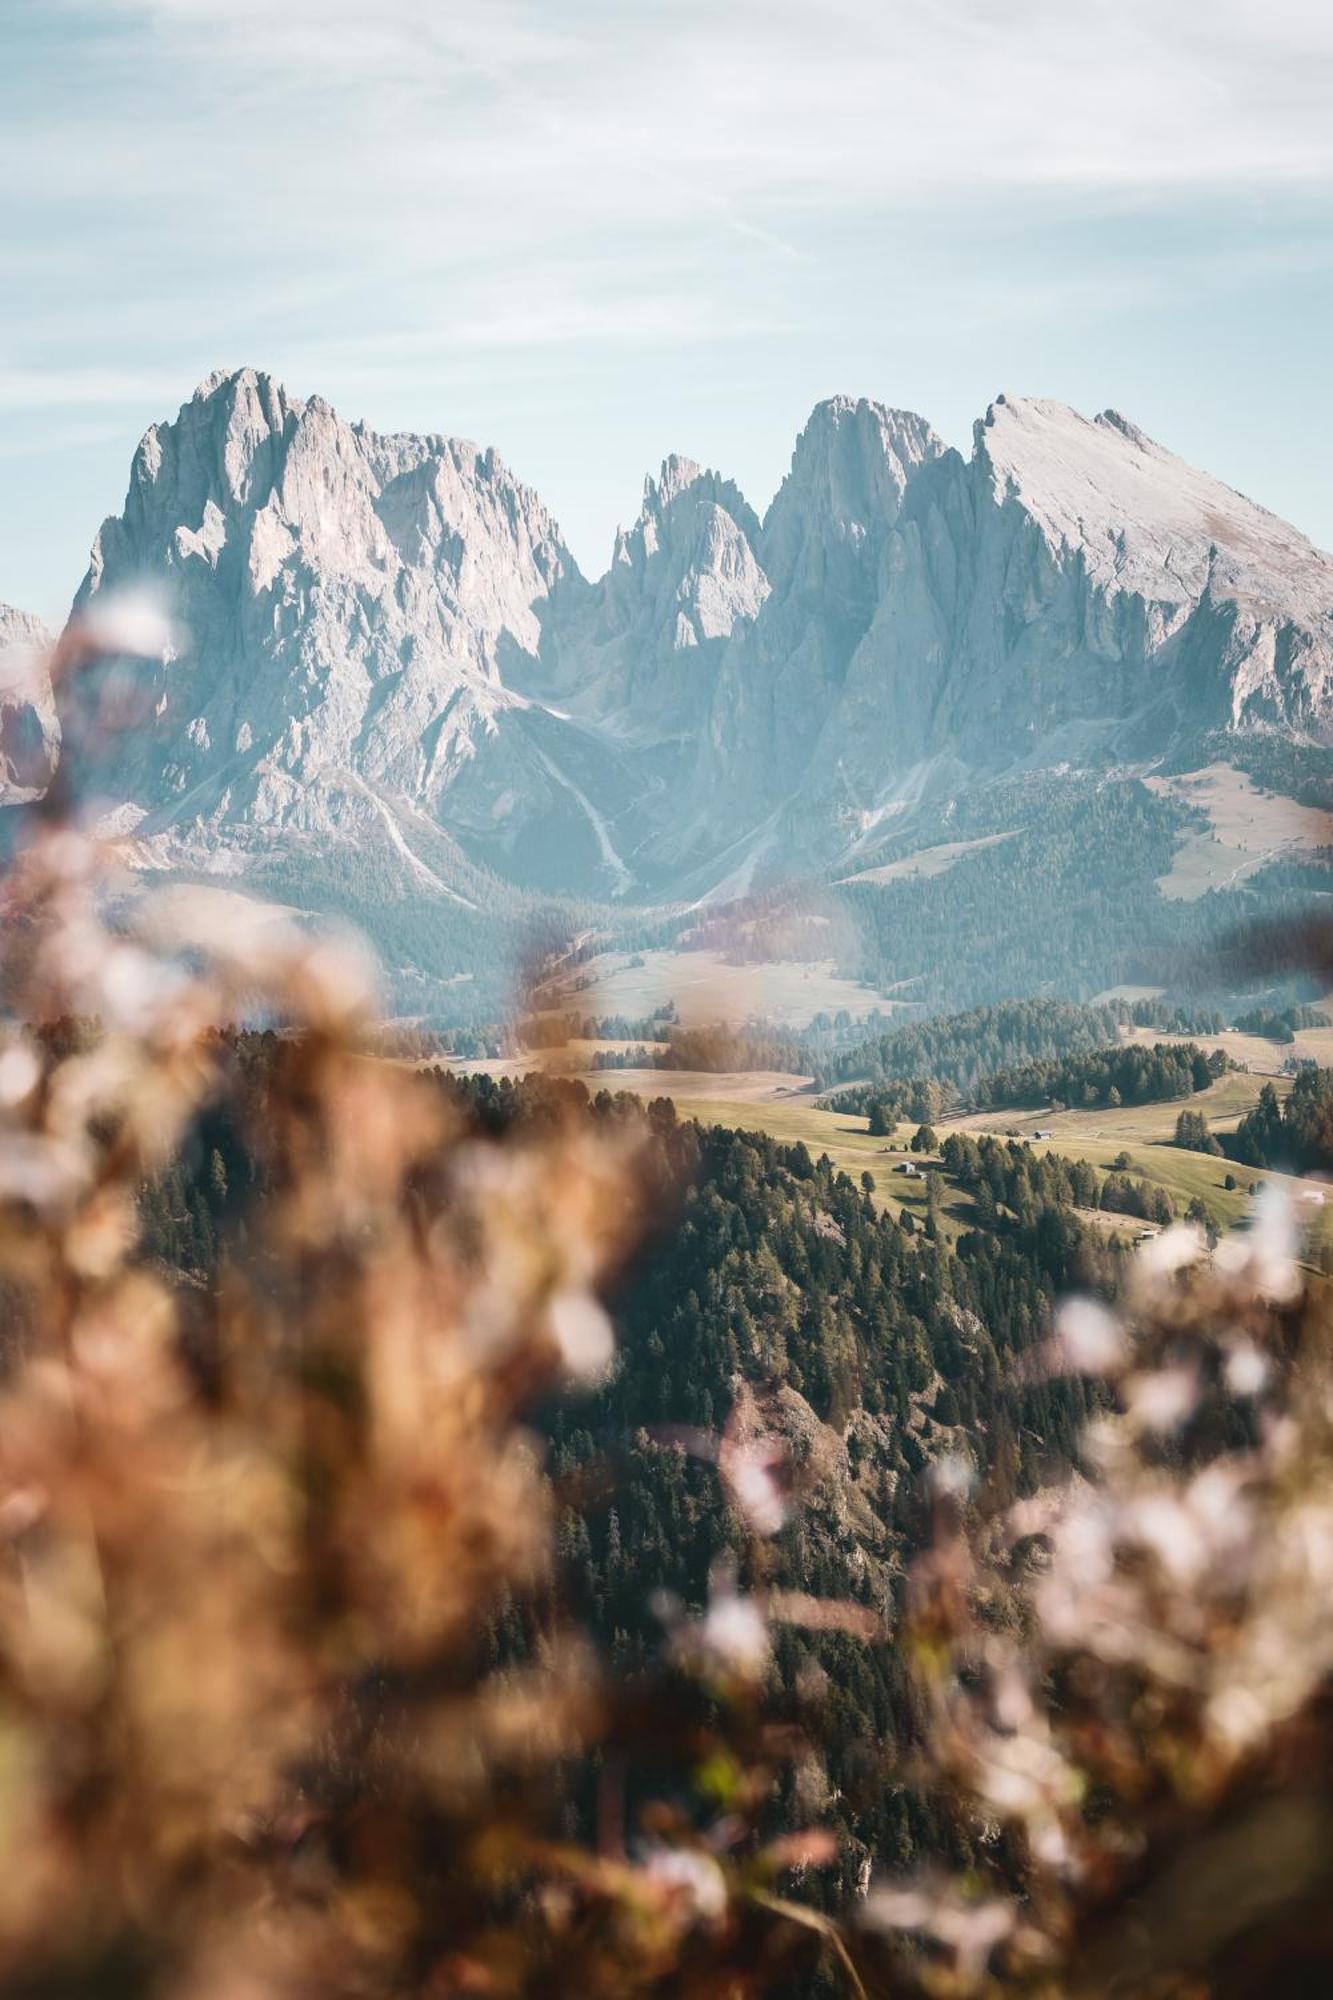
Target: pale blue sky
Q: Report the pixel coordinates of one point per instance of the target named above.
(594, 231)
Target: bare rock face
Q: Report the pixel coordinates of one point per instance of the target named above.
(1207, 598)
(394, 660)
(29, 732)
(359, 608)
(390, 643)
(826, 531)
(1074, 593)
(824, 548)
(681, 582)
(639, 653)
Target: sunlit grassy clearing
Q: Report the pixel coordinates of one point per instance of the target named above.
(1141, 1131)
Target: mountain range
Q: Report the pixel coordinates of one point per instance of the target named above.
(397, 675)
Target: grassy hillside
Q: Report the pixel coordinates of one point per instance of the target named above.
(1256, 1052)
(785, 1108)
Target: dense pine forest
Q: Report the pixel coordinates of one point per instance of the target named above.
(773, 1284)
(1124, 1075)
(1063, 900)
(1296, 1134)
(1055, 893)
(960, 1050)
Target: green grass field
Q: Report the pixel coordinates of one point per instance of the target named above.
(779, 1106)
(784, 1107)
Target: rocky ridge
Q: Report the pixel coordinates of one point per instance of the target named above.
(393, 652)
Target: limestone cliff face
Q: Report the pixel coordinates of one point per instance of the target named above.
(362, 611)
(824, 549)
(1073, 593)
(639, 654)
(392, 649)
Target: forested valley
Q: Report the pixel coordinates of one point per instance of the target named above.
(772, 1292)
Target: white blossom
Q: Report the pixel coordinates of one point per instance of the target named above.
(583, 1334)
(131, 622)
(1089, 1340)
(694, 1877)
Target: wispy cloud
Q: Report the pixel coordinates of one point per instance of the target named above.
(514, 202)
(58, 438)
(779, 100)
(72, 388)
(406, 139)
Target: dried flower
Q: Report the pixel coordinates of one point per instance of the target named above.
(1089, 1340)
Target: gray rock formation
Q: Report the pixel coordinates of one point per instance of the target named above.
(1073, 593)
(394, 656)
(824, 547)
(362, 613)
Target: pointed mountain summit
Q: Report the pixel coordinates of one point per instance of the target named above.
(1073, 594)
(400, 687)
(1249, 599)
(823, 545)
(1150, 524)
(681, 581)
(361, 609)
(831, 516)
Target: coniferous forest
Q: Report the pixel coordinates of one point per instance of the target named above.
(773, 1285)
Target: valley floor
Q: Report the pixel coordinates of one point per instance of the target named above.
(786, 1107)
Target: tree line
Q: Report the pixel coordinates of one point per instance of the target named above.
(1126, 1074)
(1295, 1135)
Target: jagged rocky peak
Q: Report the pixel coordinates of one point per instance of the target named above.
(1075, 594)
(823, 548)
(857, 454)
(356, 602)
(687, 568)
(246, 463)
(394, 655)
(682, 480)
(679, 507)
(849, 472)
(270, 495)
(220, 454)
(1143, 520)
(677, 476)
(21, 633)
